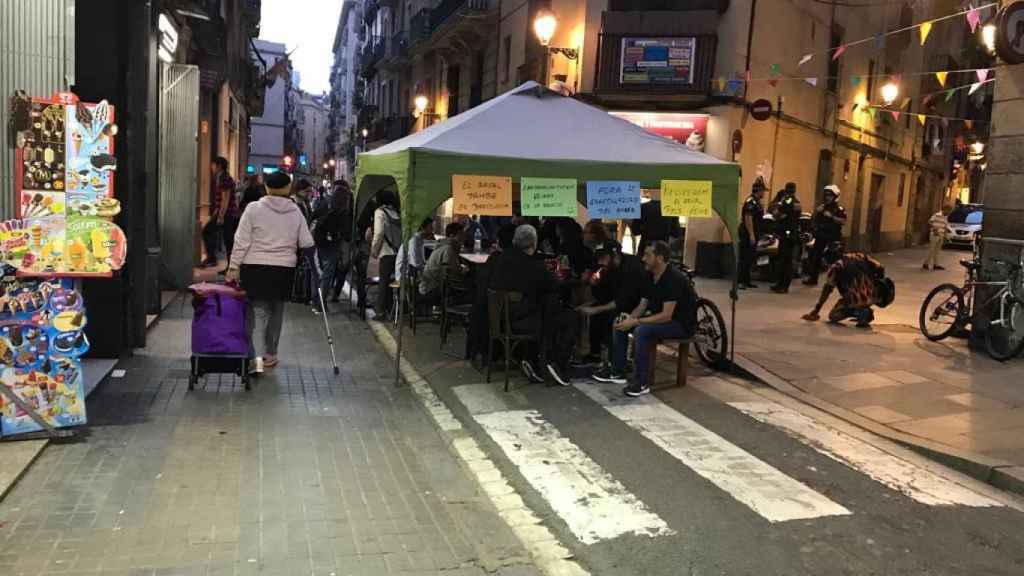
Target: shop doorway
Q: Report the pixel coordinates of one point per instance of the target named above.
(876, 200)
(454, 88)
(178, 158)
(824, 175)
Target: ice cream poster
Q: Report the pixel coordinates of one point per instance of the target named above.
(65, 184)
(41, 343)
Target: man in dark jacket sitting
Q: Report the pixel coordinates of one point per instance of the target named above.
(539, 311)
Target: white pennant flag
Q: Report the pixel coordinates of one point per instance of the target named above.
(805, 60)
(813, 81)
(974, 88)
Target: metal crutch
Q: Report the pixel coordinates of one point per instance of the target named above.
(315, 277)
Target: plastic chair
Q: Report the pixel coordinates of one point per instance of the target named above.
(499, 327)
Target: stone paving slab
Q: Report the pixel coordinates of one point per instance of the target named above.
(16, 458)
(941, 392)
(304, 475)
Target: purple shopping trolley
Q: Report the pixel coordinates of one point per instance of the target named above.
(220, 344)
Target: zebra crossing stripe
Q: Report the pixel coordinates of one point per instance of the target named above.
(765, 490)
(915, 482)
(594, 505)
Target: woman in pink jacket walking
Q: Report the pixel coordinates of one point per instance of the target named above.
(269, 236)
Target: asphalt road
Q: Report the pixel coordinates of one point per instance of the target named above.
(707, 526)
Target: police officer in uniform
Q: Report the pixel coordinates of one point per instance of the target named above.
(750, 231)
(828, 222)
(786, 210)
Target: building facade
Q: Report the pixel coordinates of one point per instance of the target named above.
(267, 140)
(897, 162)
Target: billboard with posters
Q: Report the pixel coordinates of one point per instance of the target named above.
(657, 61)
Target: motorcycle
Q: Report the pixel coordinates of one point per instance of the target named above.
(766, 259)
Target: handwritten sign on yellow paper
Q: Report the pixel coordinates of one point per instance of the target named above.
(482, 195)
(690, 198)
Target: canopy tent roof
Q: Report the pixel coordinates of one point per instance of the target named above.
(534, 132)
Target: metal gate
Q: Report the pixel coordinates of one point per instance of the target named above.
(179, 140)
(37, 55)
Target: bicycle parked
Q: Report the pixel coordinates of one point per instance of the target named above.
(949, 308)
(710, 337)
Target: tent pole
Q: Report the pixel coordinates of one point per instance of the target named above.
(734, 295)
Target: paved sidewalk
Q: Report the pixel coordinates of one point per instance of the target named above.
(304, 475)
(940, 392)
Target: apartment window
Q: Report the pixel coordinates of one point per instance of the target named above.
(903, 185)
(871, 81)
(835, 41)
(506, 55)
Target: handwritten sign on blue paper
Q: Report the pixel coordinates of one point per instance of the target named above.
(613, 200)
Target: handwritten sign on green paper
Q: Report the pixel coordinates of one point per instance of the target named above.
(548, 197)
(690, 198)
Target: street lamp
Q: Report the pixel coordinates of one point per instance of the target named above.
(544, 26)
(420, 103)
(988, 37)
(332, 162)
(890, 92)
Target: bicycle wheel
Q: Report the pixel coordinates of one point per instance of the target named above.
(942, 311)
(1004, 336)
(710, 337)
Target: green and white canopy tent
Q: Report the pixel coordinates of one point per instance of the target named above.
(534, 132)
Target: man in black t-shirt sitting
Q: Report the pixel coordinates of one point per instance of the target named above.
(619, 284)
(669, 302)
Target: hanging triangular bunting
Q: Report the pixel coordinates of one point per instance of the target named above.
(973, 19)
(949, 94)
(969, 124)
(941, 77)
(926, 28)
(906, 102)
(982, 74)
(872, 110)
(926, 100)
(813, 81)
(854, 81)
(839, 52)
(945, 122)
(773, 82)
(720, 81)
(805, 60)
(746, 76)
(775, 70)
(921, 118)
(974, 88)
(895, 115)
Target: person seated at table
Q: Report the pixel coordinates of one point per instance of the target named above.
(595, 233)
(670, 307)
(444, 257)
(570, 245)
(415, 247)
(617, 285)
(539, 312)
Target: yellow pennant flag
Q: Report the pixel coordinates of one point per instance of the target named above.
(926, 28)
(921, 118)
(941, 77)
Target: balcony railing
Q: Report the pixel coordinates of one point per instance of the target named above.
(373, 51)
(390, 129)
(398, 48)
(448, 8)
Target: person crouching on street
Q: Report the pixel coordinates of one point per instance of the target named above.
(269, 234)
(856, 276)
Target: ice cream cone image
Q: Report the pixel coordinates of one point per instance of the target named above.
(100, 250)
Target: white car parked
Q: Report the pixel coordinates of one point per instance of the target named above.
(964, 225)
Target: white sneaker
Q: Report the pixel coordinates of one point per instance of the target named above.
(256, 365)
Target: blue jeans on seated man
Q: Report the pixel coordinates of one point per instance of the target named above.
(646, 335)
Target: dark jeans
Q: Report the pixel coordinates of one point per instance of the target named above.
(230, 227)
(645, 336)
(748, 256)
(600, 331)
(211, 239)
(387, 274)
(341, 269)
(814, 259)
(327, 259)
(787, 244)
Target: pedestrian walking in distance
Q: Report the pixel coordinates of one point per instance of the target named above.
(828, 221)
(223, 211)
(269, 235)
(937, 223)
(786, 210)
(750, 231)
(332, 232)
(387, 237)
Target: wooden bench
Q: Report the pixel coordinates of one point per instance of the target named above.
(682, 360)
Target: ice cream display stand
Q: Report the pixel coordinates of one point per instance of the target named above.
(64, 182)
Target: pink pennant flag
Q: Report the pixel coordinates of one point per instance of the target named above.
(839, 52)
(746, 75)
(982, 74)
(805, 60)
(973, 19)
(895, 115)
(774, 82)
